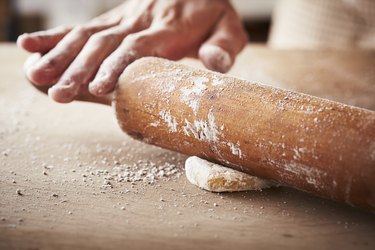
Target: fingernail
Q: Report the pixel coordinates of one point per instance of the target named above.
(63, 93)
(218, 59)
(96, 88)
(60, 95)
(20, 40)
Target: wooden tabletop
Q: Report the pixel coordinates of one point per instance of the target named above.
(56, 160)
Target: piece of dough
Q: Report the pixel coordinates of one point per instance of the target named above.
(217, 178)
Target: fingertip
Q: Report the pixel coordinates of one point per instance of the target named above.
(99, 88)
(215, 58)
(102, 84)
(28, 43)
(39, 73)
(94, 89)
(21, 40)
(37, 77)
(33, 76)
(30, 61)
(61, 94)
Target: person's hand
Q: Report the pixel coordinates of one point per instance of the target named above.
(78, 62)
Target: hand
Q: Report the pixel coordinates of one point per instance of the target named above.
(86, 61)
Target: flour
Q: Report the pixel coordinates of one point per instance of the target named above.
(190, 95)
(217, 81)
(311, 175)
(167, 117)
(143, 171)
(235, 149)
(203, 130)
(155, 124)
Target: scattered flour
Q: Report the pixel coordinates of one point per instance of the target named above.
(155, 124)
(235, 149)
(203, 130)
(216, 81)
(171, 121)
(190, 96)
(312, 176)
(142, 171)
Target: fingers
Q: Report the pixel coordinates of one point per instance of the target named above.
(83, 95)
(51, 66)
(150, 42)
(228, 39)
(42, 41)
(112, 67)
(84, 67)
(31, 60)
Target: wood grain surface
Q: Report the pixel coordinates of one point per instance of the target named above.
(54, 160)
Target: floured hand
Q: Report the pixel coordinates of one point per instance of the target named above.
(86, 61)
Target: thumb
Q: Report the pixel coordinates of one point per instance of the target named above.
(219, 51)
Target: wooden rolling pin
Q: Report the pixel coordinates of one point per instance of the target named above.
(312, 144)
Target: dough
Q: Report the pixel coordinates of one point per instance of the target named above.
(217, 178)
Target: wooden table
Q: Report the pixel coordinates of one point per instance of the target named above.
(54, 156)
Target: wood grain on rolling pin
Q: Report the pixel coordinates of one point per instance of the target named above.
(316, 145)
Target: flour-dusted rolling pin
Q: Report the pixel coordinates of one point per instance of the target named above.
(316, 145)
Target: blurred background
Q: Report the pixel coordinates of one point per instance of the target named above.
(20, 16)
(303, 24)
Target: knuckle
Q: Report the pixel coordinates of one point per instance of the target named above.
(62, 28)
(102, 38)
(82, 31)
(97, 39)
(137, 40)
(49, 63)
(132, 39)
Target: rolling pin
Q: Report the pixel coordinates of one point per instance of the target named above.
(312, 144)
